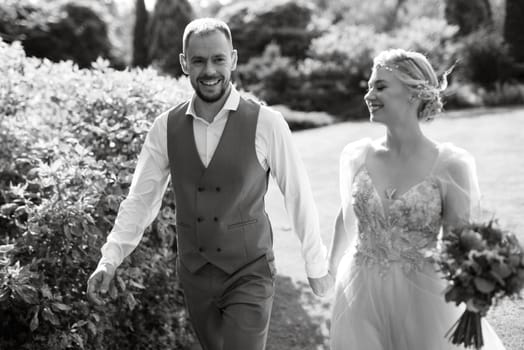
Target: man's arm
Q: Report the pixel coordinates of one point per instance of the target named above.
(137, 211)
(287, 168)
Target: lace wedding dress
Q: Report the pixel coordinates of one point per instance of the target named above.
(388, 294)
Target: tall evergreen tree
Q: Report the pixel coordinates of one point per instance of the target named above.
(469, 15)
(514, 28)
(140, 58)
(165, 34)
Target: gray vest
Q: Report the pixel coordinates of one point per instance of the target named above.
(220, 211)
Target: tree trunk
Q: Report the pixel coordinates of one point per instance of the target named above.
(514, 29)
(140, 35)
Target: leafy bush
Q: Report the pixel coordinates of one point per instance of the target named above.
(164, 34)
(484, 59)
(255, 24)
(334, 76)
(69, 142)
(57, 30)
(469, 15)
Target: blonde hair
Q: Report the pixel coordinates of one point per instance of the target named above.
(414, 70)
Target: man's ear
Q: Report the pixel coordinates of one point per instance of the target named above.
(183, 63)
(234, 59)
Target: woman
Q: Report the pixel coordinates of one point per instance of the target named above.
(398, 193)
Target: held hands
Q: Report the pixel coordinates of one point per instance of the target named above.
(99, 283)
(323, 285)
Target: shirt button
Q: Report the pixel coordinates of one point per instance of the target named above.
(215, 219)
(200, 249)
(200, 189)
(218, 189)
(219, 250)
(200, 219)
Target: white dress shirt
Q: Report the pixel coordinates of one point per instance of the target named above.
(275, 151)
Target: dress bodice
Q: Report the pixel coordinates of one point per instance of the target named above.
(400, 231)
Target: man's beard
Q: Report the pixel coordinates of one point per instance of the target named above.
(212, 98)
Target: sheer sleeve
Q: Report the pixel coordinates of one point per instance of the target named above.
(352, 159)
(460, 190)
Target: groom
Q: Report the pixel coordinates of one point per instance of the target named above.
(219, 149)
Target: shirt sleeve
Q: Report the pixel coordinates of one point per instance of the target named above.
(144, 199)
(289, 172)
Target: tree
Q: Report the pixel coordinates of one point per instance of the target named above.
(140, 35)
(165, 30)
(513, 29)
(255, 24)
(469, 15)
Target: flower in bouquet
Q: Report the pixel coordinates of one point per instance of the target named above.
(482, 264)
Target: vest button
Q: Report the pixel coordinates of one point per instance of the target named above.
(200, 219)
(200, 189)
(218, 189)
(215, 219)
(200, 249)
(219, 250)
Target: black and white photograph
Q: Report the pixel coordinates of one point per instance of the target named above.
(261, 175)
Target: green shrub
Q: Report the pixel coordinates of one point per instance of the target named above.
(58, 31)
(69, 144)
(484, 59)
(469, 15)
(256, 24)
(334, 76)
(164, 34)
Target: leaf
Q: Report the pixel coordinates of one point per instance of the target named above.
(33, 325)
(78, 340)
(131, 301)
(48, 315)
(60, 307)
(121, 283)
(137, 285)
(483, 285)
(27, 293)
(113, 291)
(46, 292)
(4, 294)
(92, 328)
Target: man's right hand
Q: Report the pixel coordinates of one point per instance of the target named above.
(99, 283)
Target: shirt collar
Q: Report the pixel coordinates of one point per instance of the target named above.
(231, 104)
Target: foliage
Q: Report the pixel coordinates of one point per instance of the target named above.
(334, 76)
(484, 59)
(469, 15)
(256, 24)
(165, 30)
(482, 264)
(69, 142)
(513, 34)
(57, 30)
(139, 35)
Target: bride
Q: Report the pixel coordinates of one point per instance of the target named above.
(399, 193)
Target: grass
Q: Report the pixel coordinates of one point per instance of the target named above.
(495, 139)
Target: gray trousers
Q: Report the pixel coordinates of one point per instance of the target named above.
(230, 312)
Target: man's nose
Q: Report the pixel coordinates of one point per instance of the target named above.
(209, 68)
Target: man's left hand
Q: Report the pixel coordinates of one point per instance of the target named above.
(323, 285)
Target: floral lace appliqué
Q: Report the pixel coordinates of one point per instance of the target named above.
(402, 235)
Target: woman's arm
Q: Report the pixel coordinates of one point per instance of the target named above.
(341, 240)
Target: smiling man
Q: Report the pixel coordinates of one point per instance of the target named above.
(219, 149)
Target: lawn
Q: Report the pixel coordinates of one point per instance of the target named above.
(494, 137)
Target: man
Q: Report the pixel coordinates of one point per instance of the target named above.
(219, 149)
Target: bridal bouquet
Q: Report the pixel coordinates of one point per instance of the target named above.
(482, 264)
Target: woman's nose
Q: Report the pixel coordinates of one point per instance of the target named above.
(368, 96)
